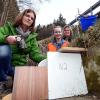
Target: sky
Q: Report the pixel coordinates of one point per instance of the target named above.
(50, 10)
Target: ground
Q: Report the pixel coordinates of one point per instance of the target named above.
(92, 96)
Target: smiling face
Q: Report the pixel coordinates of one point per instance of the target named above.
(28, 19)
(57, 32)
(67, 32)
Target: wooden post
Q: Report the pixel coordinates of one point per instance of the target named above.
(30, 83)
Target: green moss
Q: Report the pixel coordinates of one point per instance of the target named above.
(92, 72)
(93, 82)
(85, 59)
(97, 60)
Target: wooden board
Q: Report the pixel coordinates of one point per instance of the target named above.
(30, 83)
(7, 97)
(72, 49)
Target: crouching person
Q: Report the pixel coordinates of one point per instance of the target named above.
(6, 68)
(20, 40)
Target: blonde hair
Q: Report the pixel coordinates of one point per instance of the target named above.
(66, 26)
(71, 33)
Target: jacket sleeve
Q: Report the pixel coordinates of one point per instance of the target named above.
(35, 53)
(4, 32)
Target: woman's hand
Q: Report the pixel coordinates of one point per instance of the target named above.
(11, 39)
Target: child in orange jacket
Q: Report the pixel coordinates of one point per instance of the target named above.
(58, 41)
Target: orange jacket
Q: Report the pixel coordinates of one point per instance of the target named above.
(52, 47)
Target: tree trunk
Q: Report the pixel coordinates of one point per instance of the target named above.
(9, 10)
(6, 5)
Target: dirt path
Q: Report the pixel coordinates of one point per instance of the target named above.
(82, 98)
(86, 97)
(92, 96)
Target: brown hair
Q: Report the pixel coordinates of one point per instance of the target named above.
(19, 18)
(56, 27)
